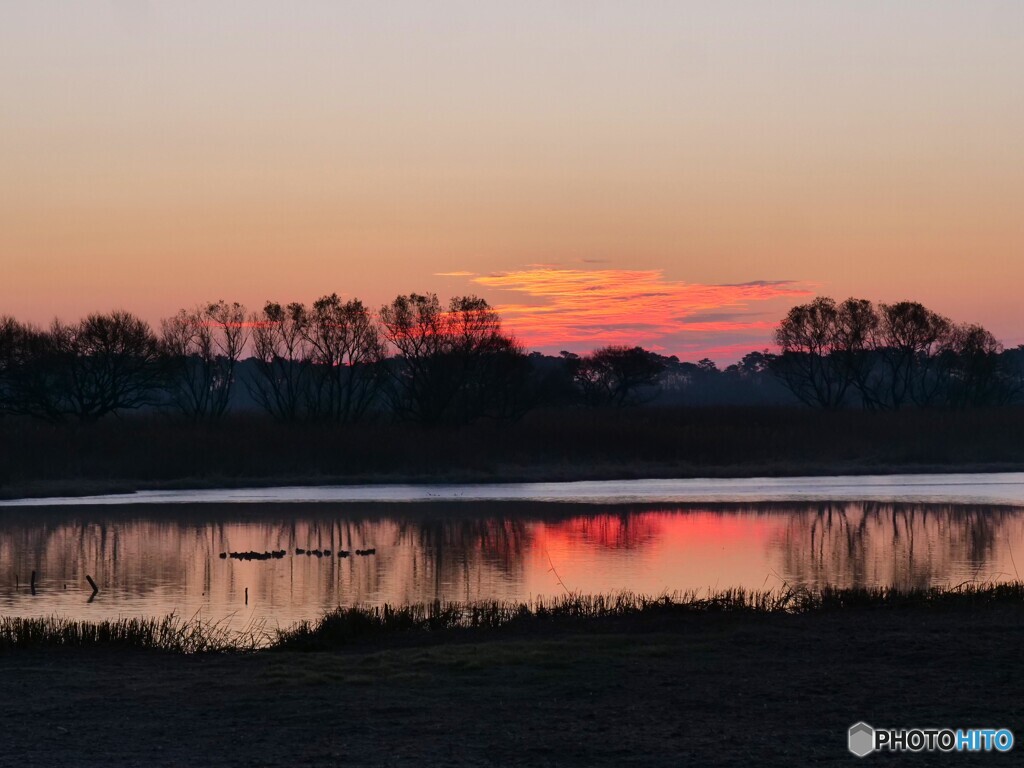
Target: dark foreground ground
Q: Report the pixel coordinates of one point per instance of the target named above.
(726, 689)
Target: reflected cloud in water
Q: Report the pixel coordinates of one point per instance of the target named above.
(159, 559)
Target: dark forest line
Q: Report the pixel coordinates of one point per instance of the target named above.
(416, 360)
(421, 391)
(156, 451)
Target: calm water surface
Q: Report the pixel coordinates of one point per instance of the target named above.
(153, 559)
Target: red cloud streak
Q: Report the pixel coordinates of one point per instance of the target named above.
(577, 308)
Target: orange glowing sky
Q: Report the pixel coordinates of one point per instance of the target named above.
(671, 174)
(584, 308)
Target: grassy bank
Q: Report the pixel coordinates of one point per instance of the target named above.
(142, 452)
(727, 683)
(620, 612)
(444, 621)
(172, 634)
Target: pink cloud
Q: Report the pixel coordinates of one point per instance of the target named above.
(586, 308)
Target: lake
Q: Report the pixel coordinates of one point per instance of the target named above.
(154, 553)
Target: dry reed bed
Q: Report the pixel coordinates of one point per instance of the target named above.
(368, 624)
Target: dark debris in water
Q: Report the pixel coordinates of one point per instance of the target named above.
(279, 554)
(275, 555)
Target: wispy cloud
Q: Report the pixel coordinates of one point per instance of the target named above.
(581, 308)
(459, 273)
(758, 282)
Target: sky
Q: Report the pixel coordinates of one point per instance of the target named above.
(672, 174)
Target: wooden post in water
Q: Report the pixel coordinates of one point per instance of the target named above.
(246, 595)
(32, 584)
(95, 589)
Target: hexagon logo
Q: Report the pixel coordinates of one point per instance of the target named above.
(861, 739)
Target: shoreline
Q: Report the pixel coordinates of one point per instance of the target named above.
(92, 487)
(452, 621)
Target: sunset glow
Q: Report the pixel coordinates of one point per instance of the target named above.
(684, 171)
(586, 308)
(568, 382)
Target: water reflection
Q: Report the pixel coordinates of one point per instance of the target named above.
(153, 560)
(909, 545)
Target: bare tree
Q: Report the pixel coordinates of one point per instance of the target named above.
(970, 363)
(346, 351)
(11, 346)
(489, 366)
(416, 327)
(103, 364)
(281, 385)
(909, 339)
(898, 355)
(32, 377)
(16, 350)
(856, 333)
(187, 344)
(813, 363)
(446, 359)
(203, 347)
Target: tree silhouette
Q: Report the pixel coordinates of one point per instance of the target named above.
(102, 364)
(203, 347)
(454, 363)
(910, 338)
(14, 353)
(896, 355)
(446, 360)
(618, 376)
(345, 350)
(972, 371)
(813, 363)
(281, 384)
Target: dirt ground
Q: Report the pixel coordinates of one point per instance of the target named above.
(698, 690)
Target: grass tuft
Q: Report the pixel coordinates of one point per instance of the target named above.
(345, 626)
(170, 633)
(446, 620)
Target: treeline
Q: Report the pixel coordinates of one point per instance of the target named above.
(333, 361)
(892, 356)
(417, 360)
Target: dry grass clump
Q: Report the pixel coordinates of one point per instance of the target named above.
(347, 625)
(626, 611)
(170, 633)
